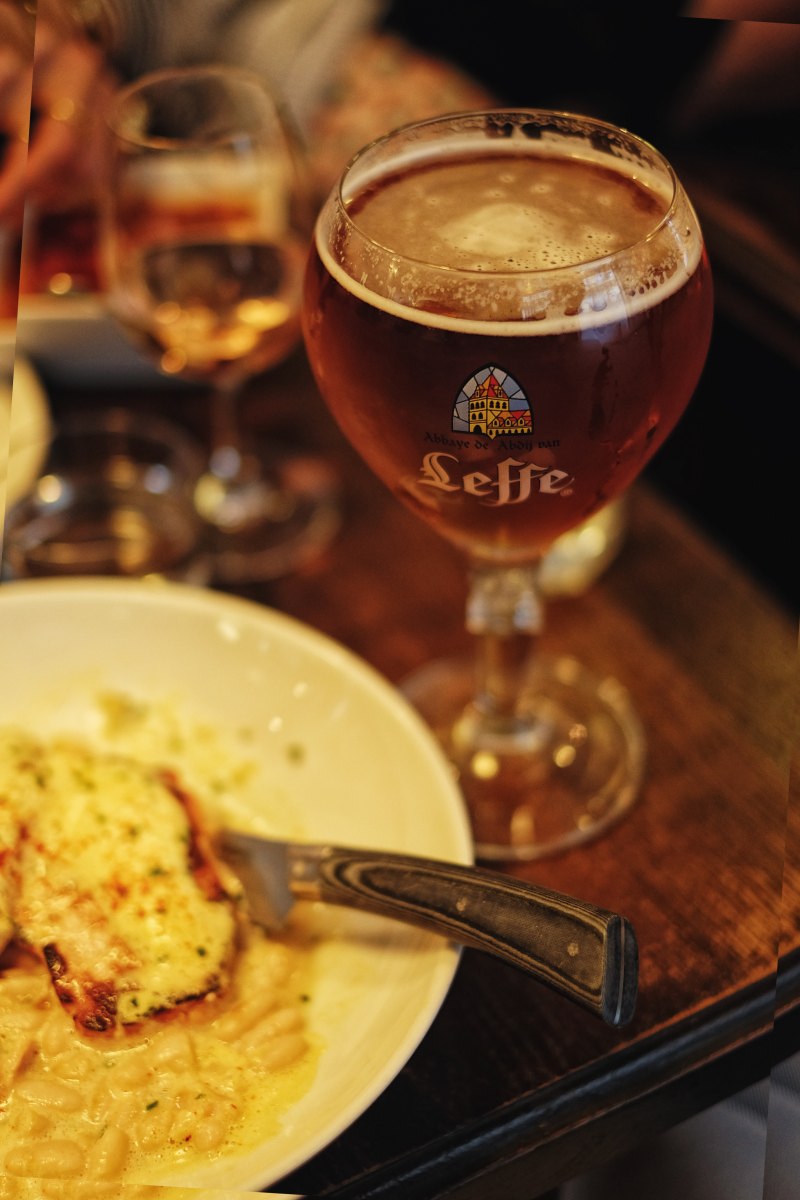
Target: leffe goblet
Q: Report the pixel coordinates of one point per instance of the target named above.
(507, 313)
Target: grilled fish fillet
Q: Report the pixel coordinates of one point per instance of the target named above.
(107, 876)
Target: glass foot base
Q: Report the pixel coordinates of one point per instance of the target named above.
(568, 768)
(267, 517)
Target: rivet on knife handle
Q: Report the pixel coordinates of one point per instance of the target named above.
(584, 952)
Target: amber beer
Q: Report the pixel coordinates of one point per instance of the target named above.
(507, 336)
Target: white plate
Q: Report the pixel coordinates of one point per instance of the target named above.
(73, 340)
(371, 775)
(24, 426)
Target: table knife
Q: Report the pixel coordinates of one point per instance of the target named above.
(586, 953)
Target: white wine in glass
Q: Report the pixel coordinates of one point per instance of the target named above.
(206, 231)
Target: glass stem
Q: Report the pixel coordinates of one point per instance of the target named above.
(505, 615)
(226, 459)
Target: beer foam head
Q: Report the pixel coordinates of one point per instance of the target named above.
(567, 237)
(508, 237)
(508, 213)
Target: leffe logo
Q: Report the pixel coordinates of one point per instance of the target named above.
(491, 404)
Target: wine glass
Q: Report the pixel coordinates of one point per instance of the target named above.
(206, 226)
(507, 312)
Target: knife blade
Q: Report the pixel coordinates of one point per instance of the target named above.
(586, 953)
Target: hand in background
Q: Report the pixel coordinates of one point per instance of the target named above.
(752, 67)
(54, 90)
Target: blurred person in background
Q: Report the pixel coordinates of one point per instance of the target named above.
(62, 65)
(51, 128)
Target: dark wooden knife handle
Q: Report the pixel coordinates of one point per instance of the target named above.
(587, 953)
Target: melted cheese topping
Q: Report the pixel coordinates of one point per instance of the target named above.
(101, 882)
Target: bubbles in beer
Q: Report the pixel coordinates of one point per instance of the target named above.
(507, 238)
(508, 212)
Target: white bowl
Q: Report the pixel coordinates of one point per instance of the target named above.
(369, 774)
(24, 425)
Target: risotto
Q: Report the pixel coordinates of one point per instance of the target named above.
(223, 1048)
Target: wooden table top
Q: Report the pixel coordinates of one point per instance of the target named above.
(514, 1089)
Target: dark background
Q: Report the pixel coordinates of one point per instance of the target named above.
(731, 461)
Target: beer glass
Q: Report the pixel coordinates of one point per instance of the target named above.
(206, 231)
(507, 312)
